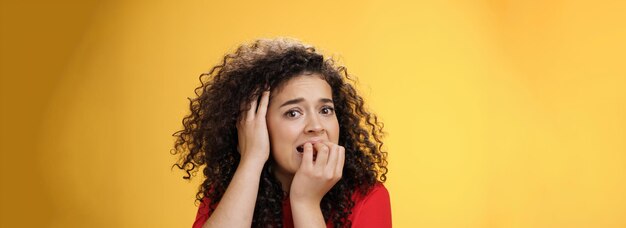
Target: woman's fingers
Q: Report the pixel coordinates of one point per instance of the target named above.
(336, 159)
(262, 110)
(256, 108)
(322, 154)
(332, 157)
(251, 110)
(307, 156)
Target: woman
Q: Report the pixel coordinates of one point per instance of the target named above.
(285, 141)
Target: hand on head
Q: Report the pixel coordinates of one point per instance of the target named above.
(254, 144)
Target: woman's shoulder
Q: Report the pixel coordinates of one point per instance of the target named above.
(375, 192)
(372, 208)
(204, 211)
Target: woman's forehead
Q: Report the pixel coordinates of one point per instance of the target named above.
(305, 86)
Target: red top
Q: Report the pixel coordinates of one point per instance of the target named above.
(371, 210)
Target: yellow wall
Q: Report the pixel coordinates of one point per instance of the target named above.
(499, 113)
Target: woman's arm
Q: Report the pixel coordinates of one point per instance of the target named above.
(236, 207)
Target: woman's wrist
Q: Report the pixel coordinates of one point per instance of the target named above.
(307, 204)
(307, 213)
(251, 164)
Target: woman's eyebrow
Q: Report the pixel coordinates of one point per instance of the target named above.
(300, 99)
(326, 100)
(292, 101)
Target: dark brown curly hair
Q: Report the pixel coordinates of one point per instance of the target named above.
(209, 136)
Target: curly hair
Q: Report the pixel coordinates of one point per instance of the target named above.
(209, 135)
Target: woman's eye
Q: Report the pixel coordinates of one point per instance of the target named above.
(328, 110)
(292, 113)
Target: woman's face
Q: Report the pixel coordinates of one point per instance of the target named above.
(300, 111)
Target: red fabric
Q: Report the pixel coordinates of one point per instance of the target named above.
(371, 210)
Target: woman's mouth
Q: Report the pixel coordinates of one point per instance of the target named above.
(300, 150)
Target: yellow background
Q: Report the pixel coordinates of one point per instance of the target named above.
(499, 113)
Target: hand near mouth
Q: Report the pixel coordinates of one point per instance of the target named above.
(314, 179)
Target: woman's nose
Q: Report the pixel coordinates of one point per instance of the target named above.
(314, 125)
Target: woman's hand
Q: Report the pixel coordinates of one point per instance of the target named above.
(316, 177)
(254, 142)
